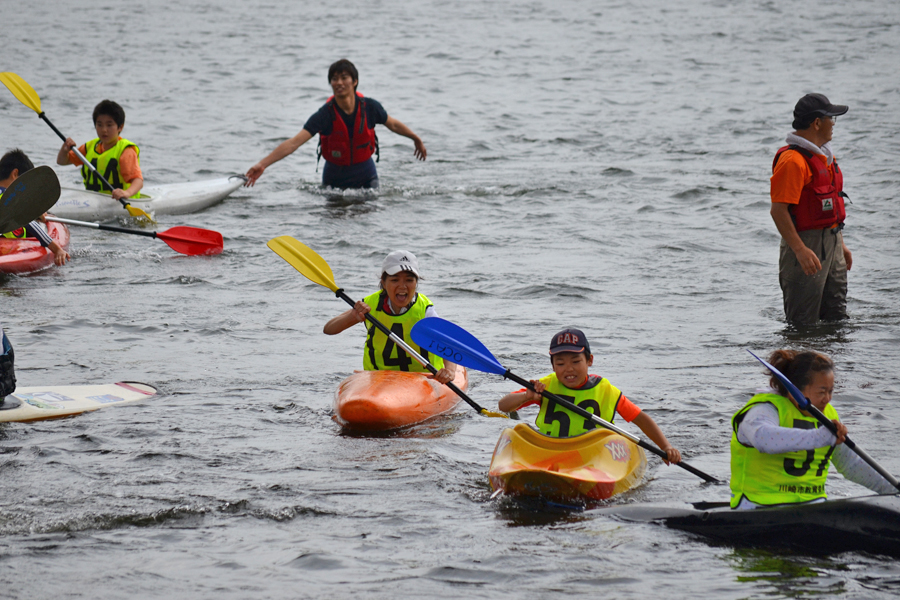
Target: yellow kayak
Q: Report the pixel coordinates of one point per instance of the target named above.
(593, 466)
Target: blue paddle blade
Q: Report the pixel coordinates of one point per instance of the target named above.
(790, 387)
(452, 342)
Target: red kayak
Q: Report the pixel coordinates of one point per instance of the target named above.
(27, 255)
(382, 400)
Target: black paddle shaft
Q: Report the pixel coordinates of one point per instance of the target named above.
(596, 419)
(126, 230)
(340, 294)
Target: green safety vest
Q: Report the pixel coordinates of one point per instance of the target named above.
(107, 164)
(18, 234)
(381, 353)
(788, 478)
(598, 397)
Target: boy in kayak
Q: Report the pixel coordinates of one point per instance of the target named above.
(116, 158)
(399, 306)
(346, 128)
(570, 356)
(12, 164)
(780, 454)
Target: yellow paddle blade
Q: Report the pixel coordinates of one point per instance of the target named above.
(490, 413)
(139, 213)
(21, 90)
(304, 259)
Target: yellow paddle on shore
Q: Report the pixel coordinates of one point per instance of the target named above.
(313, 267)
(25, 94)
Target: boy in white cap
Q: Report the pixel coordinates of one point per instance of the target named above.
(570, 355)
(399, 306)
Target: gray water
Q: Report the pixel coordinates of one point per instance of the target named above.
(602, 165)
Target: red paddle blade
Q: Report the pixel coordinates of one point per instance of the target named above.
(192, 241)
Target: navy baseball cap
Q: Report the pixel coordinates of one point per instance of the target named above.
(569, 340)
(811, 106)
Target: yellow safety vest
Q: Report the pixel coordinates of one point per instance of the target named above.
(598, 397)
(788, 478)
(18, 234)
(381, 353)
(108, 165)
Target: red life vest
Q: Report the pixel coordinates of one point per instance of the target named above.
(342, 148)
(822, 199)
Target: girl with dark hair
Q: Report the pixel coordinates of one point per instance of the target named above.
(779, 453)
(399, 305)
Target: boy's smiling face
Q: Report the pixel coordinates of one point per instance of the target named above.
(107, 130)
(401, 288)
(571, 368)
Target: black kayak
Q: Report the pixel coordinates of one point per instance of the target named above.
(868, 523)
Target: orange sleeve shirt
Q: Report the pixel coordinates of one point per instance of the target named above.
(129, 165)
(791, 175)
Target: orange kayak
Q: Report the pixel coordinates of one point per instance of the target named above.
(592, 466)
(381, 400)
(26, 255)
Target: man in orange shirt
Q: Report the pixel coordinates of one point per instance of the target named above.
(808, 209)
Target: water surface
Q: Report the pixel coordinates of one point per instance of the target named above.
(602, 165)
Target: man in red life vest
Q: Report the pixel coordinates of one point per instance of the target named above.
(808, 209)
(346, 128)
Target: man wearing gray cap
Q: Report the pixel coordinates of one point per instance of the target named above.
(808, 209)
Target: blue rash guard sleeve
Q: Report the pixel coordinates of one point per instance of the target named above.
(35, 230)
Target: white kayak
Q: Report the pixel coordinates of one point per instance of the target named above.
(53, 402)
(168, 199)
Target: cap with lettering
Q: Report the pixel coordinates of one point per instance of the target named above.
(569, 340)
(400, 260)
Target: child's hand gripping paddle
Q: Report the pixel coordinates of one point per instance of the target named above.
(313, 267)
(454, 343)
(804, 404)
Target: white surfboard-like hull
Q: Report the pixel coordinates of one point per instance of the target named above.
(167, 199)
(53, 402)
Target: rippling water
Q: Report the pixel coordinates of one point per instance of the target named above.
(598, 164)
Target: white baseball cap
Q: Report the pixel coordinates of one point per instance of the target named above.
(400, 260)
